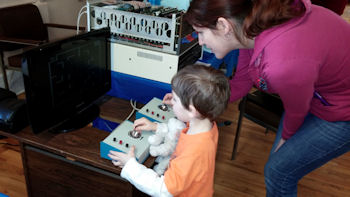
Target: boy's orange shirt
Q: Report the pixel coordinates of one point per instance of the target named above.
(191, 169)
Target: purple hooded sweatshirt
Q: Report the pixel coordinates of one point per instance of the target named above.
(298, 59)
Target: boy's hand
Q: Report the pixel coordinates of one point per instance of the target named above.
(119, 159)
(144, 124)
(167, 99)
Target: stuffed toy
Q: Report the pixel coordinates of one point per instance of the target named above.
(163, 142)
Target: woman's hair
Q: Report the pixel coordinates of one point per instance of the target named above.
(253, 16)
(204, 87)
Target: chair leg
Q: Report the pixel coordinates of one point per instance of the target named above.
(267, 130)
(235, 143)
(238, 130)
(3, 70)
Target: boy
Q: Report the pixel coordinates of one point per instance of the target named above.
(199, 95)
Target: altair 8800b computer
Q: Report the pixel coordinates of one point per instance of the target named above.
(151, 42)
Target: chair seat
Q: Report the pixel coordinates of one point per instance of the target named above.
(15, 61)
(262, 116)
(262, 108)
(266, 101)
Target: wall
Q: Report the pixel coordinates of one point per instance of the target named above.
(346, 14)
(55, 11)
(5, 3)
(63, 12)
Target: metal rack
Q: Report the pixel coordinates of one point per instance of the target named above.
(155, 27)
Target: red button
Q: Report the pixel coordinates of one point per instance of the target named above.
(163, 117)
(120, 142)
(152, 112)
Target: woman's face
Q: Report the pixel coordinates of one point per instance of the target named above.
(214, 41)
(219, 43)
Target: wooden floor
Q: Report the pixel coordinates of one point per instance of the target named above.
(244, 175)
(241, 177)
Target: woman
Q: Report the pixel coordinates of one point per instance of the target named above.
(300, 52)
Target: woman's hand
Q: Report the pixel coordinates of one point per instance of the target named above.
(167, 99)
(280, 143)
(119, 159)
(144, 124)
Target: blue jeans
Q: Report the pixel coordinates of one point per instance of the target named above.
(316, 142)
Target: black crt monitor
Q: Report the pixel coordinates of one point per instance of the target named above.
(64, 79)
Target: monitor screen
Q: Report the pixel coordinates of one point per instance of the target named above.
(63, 80)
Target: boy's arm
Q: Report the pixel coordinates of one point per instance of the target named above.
(143, 124)
(144, 179)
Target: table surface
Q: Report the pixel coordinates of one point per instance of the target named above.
(81, 145)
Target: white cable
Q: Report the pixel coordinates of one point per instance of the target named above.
(134, 105)
(81, 9)
(80, 13)
(132, 112)
(79, 20)
(134, 108)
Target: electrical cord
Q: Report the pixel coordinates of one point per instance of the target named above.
(134, 108)
(133, 105)
(81, 12)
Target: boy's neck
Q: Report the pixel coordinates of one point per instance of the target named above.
(199, 126)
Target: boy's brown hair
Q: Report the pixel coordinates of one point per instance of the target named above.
(204, 87)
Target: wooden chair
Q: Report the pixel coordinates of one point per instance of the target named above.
(262, 108)
(21, 26)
